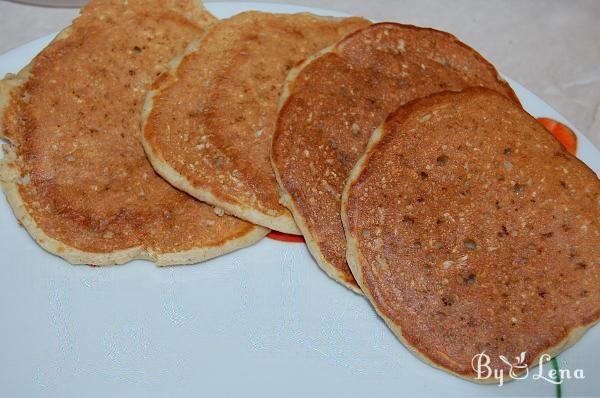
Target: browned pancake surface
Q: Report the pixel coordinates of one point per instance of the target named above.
(338, 99)
(75, 172)
(210, 127)
(471, 229)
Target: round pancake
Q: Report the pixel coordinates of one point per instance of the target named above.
(471, 229)
(334, 101)
(75, 172)
(209, 123)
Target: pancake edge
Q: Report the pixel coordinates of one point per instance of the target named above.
(285, 196)
(353, 259)
(282, 223)
(9, 176)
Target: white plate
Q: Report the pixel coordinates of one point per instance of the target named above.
(263, 321)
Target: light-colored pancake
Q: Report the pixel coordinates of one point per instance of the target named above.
(210, 122)
(74, 170)
(471, 229)
(333, 102)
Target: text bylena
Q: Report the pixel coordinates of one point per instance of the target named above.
(518, 369)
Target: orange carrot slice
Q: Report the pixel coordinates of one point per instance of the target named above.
(280, 236)
(562, 133)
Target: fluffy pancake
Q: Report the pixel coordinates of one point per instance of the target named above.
(209, 123)
(74, 170)
(471, 229)
(334, 101)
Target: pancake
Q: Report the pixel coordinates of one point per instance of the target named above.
(210, 122)
(472, 229)
(74, 171)
(334, 101)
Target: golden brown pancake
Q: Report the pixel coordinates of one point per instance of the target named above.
(334, 101)
(210, 122)
(75, 172)
(471, 229)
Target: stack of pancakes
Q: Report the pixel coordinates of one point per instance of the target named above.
(75, 170)
(150, 130)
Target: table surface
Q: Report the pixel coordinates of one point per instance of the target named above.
(551, 47)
